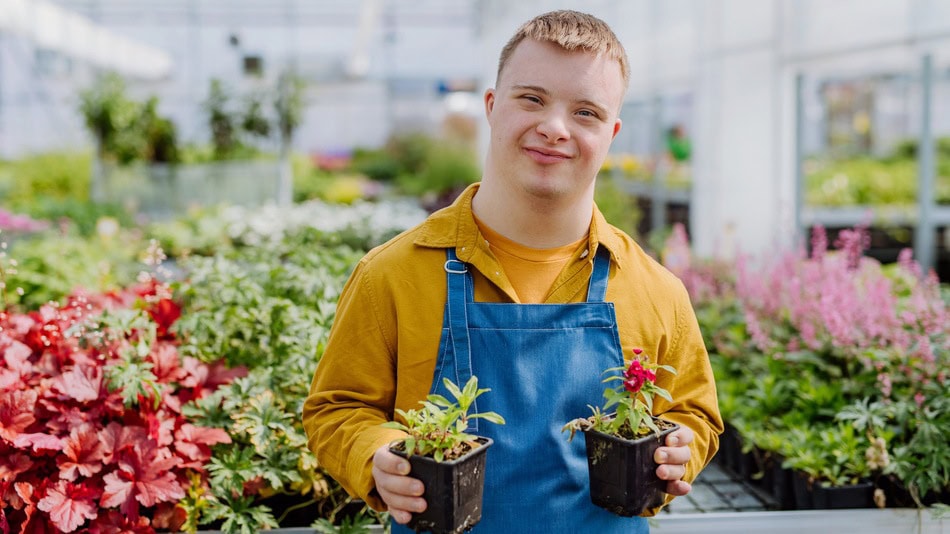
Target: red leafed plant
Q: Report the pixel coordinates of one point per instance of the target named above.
(91, 431)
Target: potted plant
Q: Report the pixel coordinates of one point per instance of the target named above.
(621, 445)
(449, 461)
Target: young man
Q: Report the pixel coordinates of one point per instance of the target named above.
(552, 295)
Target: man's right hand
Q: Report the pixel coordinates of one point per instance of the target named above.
(401, 493)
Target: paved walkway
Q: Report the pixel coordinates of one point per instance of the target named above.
(717, 490)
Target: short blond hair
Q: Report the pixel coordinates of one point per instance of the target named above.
(571, 30)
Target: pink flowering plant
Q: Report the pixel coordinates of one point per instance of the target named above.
(630, 398)
(826, 345)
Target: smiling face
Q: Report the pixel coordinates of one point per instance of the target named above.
(552, 117)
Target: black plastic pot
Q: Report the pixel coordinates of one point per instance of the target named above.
(730, 449)
(859, 495)
(622, 472)
(814, 495)
(782, 488)
(453, 490)
(804, 495)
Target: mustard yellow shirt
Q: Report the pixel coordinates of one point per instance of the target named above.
(384, 342)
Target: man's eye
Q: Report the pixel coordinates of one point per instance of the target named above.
(587, 113)
(532, 98)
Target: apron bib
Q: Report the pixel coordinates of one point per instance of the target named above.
(544, 365)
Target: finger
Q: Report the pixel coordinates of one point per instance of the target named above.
(682, 436)
(400, 516)
(390, 463)
(399, 491)
(678, 488)
(397, 484)
(670, 472)
(672, 455)
(402, 505)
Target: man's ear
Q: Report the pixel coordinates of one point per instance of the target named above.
(617, 126)
(489, 101)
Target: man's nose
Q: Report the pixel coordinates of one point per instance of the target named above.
(553, 127)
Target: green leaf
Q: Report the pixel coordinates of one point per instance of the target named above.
(453, 389)
(663, 393)
(491, 417)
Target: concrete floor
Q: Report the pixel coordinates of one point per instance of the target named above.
(716, 490)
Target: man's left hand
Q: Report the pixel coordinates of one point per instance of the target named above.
(672, 461)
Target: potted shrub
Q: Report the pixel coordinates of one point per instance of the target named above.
(448, 461)
(831, 467)
(621, 445)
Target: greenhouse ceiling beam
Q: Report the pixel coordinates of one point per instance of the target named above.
(865, 48)
(57, 29)
(261, 14)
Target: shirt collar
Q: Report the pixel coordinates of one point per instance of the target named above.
(454, 226)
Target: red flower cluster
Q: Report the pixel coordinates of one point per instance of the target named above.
(635, 375)
(72, 454)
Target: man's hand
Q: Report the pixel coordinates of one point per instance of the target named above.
(672, 459)
(401, 493)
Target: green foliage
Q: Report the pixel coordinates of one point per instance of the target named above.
(631, 399)
(83, 215)
(438, 429)
(269, 309)
(126, 130)
(202, 231)
(447, 167)
(402, 154)
(254, 122)
(834, 454)
(619, 208)
(239, 514)
(418, 164)
(135, 379)
(234, 129)
(55, 175)
(840, 412)
(51, 266)
(160, 134)
(222, 121)
(907, 149)
(350, 525)
(289, 104)
(108, 114)
(871, 181)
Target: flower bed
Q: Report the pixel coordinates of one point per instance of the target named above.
(176, 406)
(833, 365)
(92, 432)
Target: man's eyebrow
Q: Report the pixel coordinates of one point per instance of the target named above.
(600, 109)
(535, 88)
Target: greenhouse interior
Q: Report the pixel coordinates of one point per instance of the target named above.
(187, 188)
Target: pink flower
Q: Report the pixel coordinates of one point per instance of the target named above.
(635, 376)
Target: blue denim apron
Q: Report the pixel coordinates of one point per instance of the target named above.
(544, 365)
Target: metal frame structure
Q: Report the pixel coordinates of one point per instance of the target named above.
(926, 217)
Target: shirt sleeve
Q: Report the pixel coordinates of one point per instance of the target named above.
(353, 391)
(693, 389)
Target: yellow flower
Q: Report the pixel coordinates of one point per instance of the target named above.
(629, 164)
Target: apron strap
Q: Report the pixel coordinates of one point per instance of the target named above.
(597, 288)
(459, 284)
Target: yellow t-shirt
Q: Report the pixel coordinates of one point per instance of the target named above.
(531, 271)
